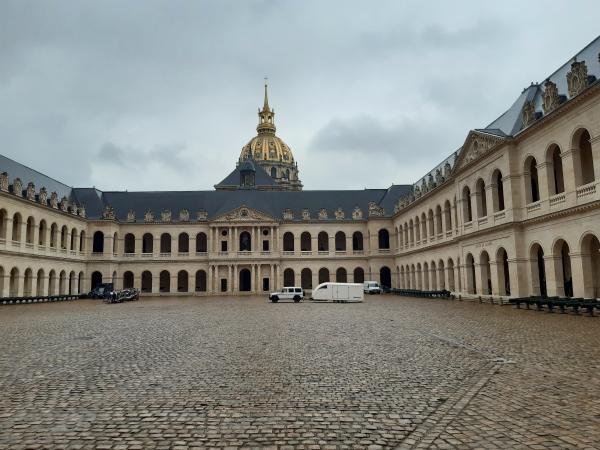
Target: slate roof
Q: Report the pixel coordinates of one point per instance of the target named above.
(26, 174)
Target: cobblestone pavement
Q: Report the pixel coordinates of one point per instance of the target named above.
(239, 372)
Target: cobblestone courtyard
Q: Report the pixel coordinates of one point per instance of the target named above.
(240, 372)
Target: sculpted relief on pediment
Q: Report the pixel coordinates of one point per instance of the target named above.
(243, 214)
(476, 145)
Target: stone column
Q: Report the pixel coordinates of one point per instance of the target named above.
(571, 169)
(253, 243)
(253, 274)
(314, 242)
(542, 169)
(554, 283)
(497, 277)
(235, 276)
(580, 262)
(209, 282)
(595, 144)
(271, 277)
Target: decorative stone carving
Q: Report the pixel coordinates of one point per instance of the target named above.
(375, 210)
(357, 213)
(201, 214)
(396, 207)
(305, 214)
(577, 78)
(447, 170)
(43, 196)
(430, 182)
(131, 215)
(64, 204)
(184, 215)
(288, 214)
(339, 214)
(73, 209)
(31, 191)
(417, 192)
(108, 213)
(550, 98)
(81, 211)
(4, 181)
(528, 113)
(54, 200)
(165, 215)
(148, 216)
(322, 214)
(18, 187)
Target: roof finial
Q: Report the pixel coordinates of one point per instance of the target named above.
(266, 105)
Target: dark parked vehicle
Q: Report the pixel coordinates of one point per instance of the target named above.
(102, 290)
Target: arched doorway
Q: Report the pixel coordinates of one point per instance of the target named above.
(164, 281)
(245, 280)
(562, 268)
(182, 281)
(385, 276)
(537, 270)
(503, 273)
(323, 275)
(306, 278)
(288, 277)
(341, 276)
(471, 283)
(200, 281)
(146, 281)
(359, 275)
(486, 278)
(96, 279)
(128, 280)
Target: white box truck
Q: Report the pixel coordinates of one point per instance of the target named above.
(338, 292)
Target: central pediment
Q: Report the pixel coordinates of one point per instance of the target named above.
(244, 214)
(476, 145)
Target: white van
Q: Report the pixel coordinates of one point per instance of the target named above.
(338, 292)
(372, 287)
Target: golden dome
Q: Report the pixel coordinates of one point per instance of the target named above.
(266, 146)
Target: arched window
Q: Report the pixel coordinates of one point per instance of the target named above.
(323, 275)
(289, 277)
(4, 222)
(43, 230)
(359, 275)
(497, 191)
(98, 244)
(357, 241)
(74, 239)
(201, 244)
(556, 182)
(383, 238)
(323, 242)
(147, 243)
(441, 275)
(306, 278)
(27, 280)
(164, 281)
(64, 234)
(245, 242)
(30, 230)
(532, 187)
(450, 269)
(430, 223)
(165, 243)
(182, 281)
(340, 241)
(341, 276)
(467, 210)
(481, 200)
(115, 243)
(411, 229)
(82, 240)
(54, 236)
(200, 281)
(423, 226)
(418, 229)
(305, 242)
(538, 270)
(16, 227)
(448, 215)
(129, 243)
(584, 161)
(128, 280)
(288, 242)
(438, 220)
(52, 281)
(14, 283)
(183, 243)
(425, 276)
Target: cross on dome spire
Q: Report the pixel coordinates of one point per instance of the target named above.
(266, 104)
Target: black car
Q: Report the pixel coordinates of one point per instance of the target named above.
(102, 290)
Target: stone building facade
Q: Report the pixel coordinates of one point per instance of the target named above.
(514, 212)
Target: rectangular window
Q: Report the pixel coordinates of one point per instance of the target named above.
(223, 246)
(223, 284)
(265, 284)
(265, 246)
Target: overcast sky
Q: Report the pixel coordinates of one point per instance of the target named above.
(163, 95)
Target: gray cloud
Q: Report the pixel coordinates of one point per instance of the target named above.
(160, 89)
